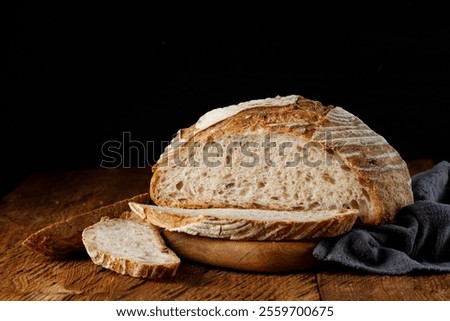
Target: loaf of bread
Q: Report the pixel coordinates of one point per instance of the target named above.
(276, 169)
(288, 154)
(127, 246)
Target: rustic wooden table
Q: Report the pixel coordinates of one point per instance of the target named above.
(48, 197)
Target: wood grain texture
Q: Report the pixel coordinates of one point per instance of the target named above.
(48, 197)
(344, 286)
(419, 165)
(45, 198)
(269, 257)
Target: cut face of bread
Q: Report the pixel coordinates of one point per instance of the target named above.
(130, 247)
(282, 180)
(284, 154)
(249, 224)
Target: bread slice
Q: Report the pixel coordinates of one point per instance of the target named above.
(130, 247)
(284, 154)
(249, 224)
(63, 238)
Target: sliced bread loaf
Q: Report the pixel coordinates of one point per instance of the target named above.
(130, 247)
(249, 224)
(285, 154)
(63, 238)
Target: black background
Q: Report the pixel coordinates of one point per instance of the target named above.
(79, 76)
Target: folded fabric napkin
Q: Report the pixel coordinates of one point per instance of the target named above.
(419, 240)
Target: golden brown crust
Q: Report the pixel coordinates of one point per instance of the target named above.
(209, 225)
(130, 267)
(63, 238)
(380, 168)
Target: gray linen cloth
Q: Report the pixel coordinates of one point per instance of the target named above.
(419, 240)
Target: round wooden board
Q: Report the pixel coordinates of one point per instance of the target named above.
(268, 257)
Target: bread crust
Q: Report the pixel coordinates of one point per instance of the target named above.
(208, 224)
(127, 266)
(380, 168)
(63, 238)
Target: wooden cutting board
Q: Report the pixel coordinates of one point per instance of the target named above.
(268, 257)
